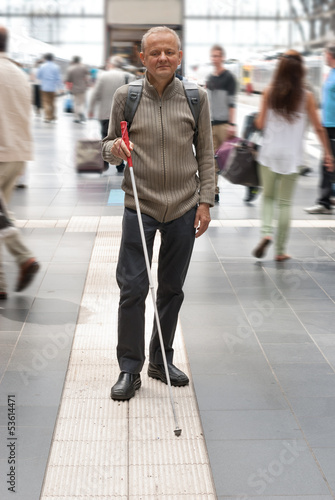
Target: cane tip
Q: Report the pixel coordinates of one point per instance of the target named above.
(177, 432)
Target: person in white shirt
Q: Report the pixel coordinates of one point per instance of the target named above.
(285, 107)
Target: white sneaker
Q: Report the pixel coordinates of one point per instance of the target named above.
(318, 209)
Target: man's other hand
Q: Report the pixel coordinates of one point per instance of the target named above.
(202, 219)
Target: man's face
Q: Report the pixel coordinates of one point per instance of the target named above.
(216, 58)
(161, 55)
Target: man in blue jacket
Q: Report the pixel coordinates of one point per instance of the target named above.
(323, 205)
(50, 77)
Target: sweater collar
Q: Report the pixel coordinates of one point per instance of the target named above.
(170, 90)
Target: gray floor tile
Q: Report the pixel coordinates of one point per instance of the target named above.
(221, 317)
(219, 363)
(32, 386)
(238, 392)
(12, 320)
(5, 353)
(326, 459)
(324, 340)
(30, 474)
(251, 424)
(65, 295)
(293, 353)
(29, 440)
(32, 416)
(206, 277)
(250, 279)
(253, 297)
(212, 298)
(313, 407)
(308, 293)
(50, 319)
(267, 467)
(319, 431)
(54, 305)
(226, 342)
(43, 357)
(283, 338)
(60, 328)
(306, 380)
(305, 304)
(264, 316)
(329, 354)
(68, 268)
(8, 338)
(235, 335)
(316, 323)
(16, 300)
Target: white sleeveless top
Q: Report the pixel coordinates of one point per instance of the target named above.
(282, 144)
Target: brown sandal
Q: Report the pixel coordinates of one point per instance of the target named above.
(260, 250)
(282, 257)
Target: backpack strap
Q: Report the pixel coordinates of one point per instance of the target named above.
(192, 94)
(133, 98)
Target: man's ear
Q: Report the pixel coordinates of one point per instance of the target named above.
(180, 56)
(142, 58)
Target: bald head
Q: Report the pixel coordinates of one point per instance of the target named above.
(3, 38)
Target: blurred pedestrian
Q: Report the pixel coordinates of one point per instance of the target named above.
(221, 89)
(103, 93)
(285, 107)
(77, 80)
(36, 87)
(50, 78)
(94, 75)
(16, 148)
(323, 204)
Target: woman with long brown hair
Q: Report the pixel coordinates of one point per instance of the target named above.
(285, 107)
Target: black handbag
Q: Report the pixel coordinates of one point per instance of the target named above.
(241, 167)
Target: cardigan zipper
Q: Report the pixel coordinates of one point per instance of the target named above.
(163, 152)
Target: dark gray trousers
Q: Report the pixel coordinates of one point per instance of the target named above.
(177, 240)
(327, 178)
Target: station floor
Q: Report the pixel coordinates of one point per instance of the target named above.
(256, 338)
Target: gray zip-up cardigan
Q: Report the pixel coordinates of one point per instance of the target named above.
(170, 180)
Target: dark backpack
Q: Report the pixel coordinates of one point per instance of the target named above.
(135, 92)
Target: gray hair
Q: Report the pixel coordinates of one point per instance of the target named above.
(159, 29)
(330, 47)
(117, 61)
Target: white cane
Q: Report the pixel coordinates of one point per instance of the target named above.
(125, 137)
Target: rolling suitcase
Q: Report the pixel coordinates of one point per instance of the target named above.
(88, 156)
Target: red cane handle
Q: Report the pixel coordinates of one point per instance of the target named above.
(125, 137)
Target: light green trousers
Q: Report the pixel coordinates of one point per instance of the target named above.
(277, 189)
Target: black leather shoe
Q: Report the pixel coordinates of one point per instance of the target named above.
(177, 377)
(126, 386)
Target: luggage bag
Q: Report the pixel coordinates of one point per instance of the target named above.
(222, 154)
(68, 103)
(88, 156)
